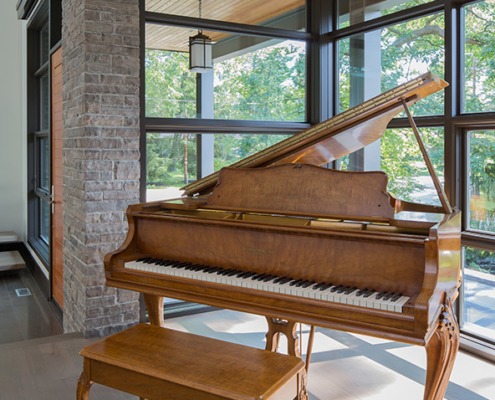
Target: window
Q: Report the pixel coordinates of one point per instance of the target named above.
(257, 90)
(39, 190)
(478, 312)
(479, 61)
(352, 12)
(172, 158)
(481, 180)
(373, 62)
(258, 79)
(401, 159)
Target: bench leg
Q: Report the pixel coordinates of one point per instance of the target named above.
(84, 383)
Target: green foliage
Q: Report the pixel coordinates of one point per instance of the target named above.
(479, 260)
(170, 87)
(265, 85)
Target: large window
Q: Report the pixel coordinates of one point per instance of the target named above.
(256, 89)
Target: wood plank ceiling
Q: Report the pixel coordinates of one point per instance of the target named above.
(252, 12)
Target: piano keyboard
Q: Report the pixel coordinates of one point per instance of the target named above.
(362, 297)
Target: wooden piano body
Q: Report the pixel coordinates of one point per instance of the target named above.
(309, 224)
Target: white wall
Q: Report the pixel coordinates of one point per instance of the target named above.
(13, 180)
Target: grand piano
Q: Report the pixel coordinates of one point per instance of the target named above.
(276, 234)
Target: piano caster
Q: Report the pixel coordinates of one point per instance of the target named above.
(441, 351)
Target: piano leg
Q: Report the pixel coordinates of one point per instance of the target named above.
(441, 351)
(277, 326)
(154, 305)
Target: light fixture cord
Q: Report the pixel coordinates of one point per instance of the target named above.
(200, 30)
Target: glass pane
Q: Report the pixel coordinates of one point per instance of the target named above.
(287, 14)
(44, 163)
(478, 309)
(481, 180)
(44, 45)
(230, 148)
(45, 212)
(170, 87)
(401, 159)
(253, 78)
(166, 158)
(170, 163)
(354, 12)
(374, 62)
(44, 103)
(479, 60)
(265, 84)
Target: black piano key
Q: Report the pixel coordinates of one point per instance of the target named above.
(308, 284)
(233, 272)
(336, 288)
(349, 289)
(283, 281)
(388, 296)
(295, 282)
(368, 293)
(396, 297)
(278, 279)
(269, 278)
(380, 295)
(325, 286)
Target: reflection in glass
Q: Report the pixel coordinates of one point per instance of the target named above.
(481, 180)
(478, 311)
(44, 223)
(44, 163)
(479, 80)
(353, 12)
(380, 60)
(401, 159)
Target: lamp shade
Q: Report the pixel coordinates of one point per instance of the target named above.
(200, 53)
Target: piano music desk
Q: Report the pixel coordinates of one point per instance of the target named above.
(162, 364)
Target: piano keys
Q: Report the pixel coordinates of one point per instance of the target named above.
(327, 248)
(324, 291)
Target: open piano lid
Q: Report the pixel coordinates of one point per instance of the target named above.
(338, 136)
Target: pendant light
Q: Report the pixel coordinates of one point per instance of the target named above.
(200, 45)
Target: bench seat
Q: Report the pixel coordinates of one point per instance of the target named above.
(161, 364)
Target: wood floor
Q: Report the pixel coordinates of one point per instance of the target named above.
(343, 366)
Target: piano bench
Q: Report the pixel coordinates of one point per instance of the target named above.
(161, 364)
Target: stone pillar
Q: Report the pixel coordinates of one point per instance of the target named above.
(101, 169)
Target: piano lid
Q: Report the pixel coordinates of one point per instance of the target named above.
(338, 136)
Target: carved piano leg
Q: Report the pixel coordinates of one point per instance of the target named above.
(441, 351)
(154, 305)
(277, 326)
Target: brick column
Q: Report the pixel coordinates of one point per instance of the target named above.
(101, 167)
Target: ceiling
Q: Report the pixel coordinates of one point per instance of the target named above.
(252, 12)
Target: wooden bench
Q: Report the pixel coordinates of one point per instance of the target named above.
(161, 364)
